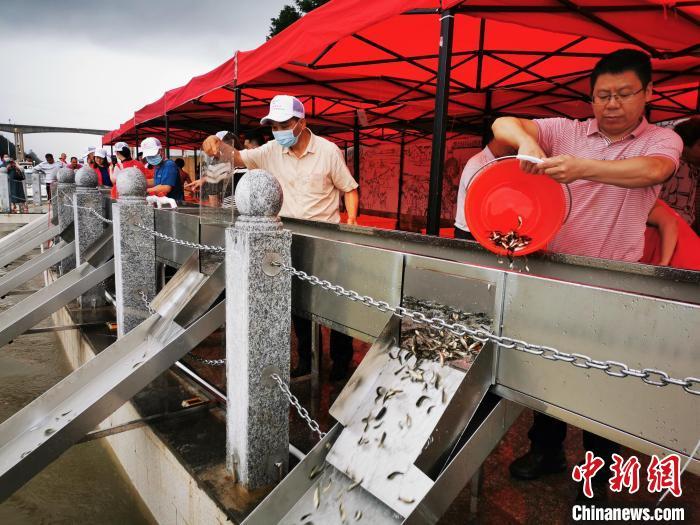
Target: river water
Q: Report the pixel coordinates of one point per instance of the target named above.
(84, 485)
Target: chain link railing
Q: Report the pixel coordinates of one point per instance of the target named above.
(103, 219)
(650, 376)
(188, 244)
(146, 303)
(313, 425)
(208, 362)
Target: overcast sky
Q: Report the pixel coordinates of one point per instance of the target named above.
(90, 64)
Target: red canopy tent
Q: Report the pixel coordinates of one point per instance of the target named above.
(529, 58)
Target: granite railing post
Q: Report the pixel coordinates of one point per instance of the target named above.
(36, 188)
(88, 227)
(258, 317)
(65, 189)
(4, 191)
(134, 250)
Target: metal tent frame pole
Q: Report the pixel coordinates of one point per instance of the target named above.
(402, 150)
(167, 136)
(356, 149)
(236, 110)
(440, 123)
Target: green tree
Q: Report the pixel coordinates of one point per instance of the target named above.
(291, 13)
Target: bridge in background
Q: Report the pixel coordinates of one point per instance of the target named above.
(20, 129)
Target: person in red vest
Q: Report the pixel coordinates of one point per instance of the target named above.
(669, 240)
(101, 167)
(124, 160)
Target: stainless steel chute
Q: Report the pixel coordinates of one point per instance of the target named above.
(99, 265)
(36, 435)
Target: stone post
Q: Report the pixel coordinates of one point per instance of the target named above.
(258, 313)
(36, 188)
(134, 250)
(88, 227)
(65, 189)
(4, 191)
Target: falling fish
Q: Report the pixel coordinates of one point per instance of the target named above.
(395, 474)
(381, 440)
(354, 485)
(380, 414)
(407, 500)
(327, 487)
(341, 510)
(317, 470)
(421, 400)
(317, 496)
(430, 408)
(358, 515)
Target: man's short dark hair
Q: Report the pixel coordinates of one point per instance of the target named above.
(180, 163)
(74, 159)
(689, 130)
(256, 136)
(621, 61)
(48, 156)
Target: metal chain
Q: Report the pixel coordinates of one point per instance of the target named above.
(650, 376)
(148, 306)
(103, 219)
(208, 362)
(188, 244)
(313, 425)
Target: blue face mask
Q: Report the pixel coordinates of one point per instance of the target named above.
(154, 160)
(286, 137)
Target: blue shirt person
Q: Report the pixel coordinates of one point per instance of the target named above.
(166, 177)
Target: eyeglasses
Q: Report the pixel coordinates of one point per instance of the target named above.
(622, 98)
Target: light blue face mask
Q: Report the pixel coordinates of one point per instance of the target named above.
(154, 160)
(286, 137)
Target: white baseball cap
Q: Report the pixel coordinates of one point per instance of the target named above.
(90, 149)
(282, 108)
(150, 146)
(221, 134)
(101, 152)
(120, 146)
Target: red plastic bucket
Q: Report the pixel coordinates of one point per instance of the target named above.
(501, 196)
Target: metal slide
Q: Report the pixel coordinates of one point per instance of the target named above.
(33, 267)
(40, 223)
(412, 477)
(99, 265)
(40, 432)
(23, 244)
(397, 468)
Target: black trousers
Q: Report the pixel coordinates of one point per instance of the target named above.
(548, 433)
(463, 234)
(341, 344)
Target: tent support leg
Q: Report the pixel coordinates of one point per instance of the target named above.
(440, 122)
(401, 168)
(167, 136)
(236, 111)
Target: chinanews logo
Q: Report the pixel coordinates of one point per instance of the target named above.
(663, 475)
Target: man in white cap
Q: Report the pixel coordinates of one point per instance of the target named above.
(313, 174)
(166, 177)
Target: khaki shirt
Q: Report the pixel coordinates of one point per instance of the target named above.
(311, 183)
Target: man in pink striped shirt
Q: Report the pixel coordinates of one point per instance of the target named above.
(614, 165)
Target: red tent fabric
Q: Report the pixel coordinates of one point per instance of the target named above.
(529, 58)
